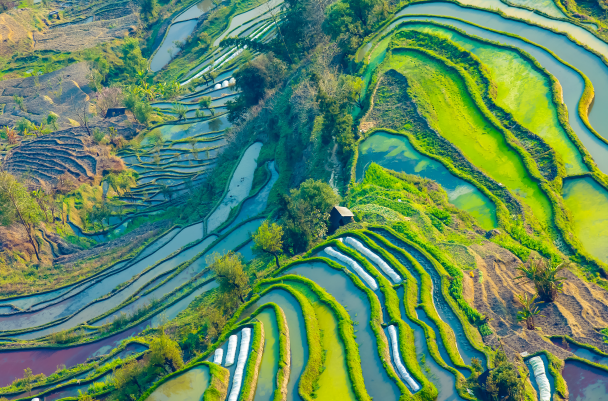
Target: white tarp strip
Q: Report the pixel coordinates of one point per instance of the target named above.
(231, 350)
(392, 331)
(374, 258)
(355, 266)
(218, 356)
(237, 381)
(544, 387)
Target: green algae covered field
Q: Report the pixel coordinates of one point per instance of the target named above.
(304, 201)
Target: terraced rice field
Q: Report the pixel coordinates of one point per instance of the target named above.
(446, 103)
(394, 307)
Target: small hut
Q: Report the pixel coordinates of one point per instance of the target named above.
(54, 14)
(338, 217)
(115, 111)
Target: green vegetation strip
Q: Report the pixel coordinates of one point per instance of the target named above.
(376, 308)
(410, 301)
(284, 361)
(218, 386)
(345, 329)
(502, 156)
(505, 89)
(391, 302)
(67, 376)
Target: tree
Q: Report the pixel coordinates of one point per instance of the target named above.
(503, 382)
(122, 182)
(142, 112)
(253, 80)
(133, 61)
(349, 21)
(108, 98)
(529, 310)
(23, 125)
(51, 120)
(127, 380)
(100, 213)
(229, 274)
(545, 278)
(269, 238)
(17, 205)
(180, 110)
(84, 116)
(305, 214)
(28, 378)
(165, 355)
(205, 103)
(11, 135)
(84, 396)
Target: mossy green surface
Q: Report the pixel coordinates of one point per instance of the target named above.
(587, 202)
(268, 369)
(444, 101)
(334, 382)
(189, 385)
(521, 90)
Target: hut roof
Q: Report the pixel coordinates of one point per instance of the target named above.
(344, 212)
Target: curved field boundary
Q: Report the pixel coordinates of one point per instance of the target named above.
(80, 369)
(87, 380)
(512, 142)
(183, 10)
(561, 220)
(569, 18)
(174, 273)
(136, 253)
(373, 36)
(559, 217)
(584, 103)
(414, 289)
(391, 302)
(284, 362)
(234, 213)
(135, 296)
(555, 367)
(590, 347)
(587, 98)
(345, 328)
(376, 322)
(111, 294)
(540, 149)
(471, 332)
(457, 303)
(313, 365)
(104, 273)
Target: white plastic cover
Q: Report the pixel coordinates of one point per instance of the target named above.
(355, 266)
(231, 350)
(374, 258)
(225, 84)
(392, 331)
(232, 81)
(217, 86)
(237, 381)
(541, 378)
(218, 356)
